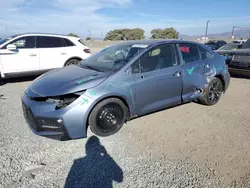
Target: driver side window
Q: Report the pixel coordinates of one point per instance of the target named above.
(159, 57)
(24, 42)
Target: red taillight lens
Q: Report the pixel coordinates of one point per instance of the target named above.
(87, 50)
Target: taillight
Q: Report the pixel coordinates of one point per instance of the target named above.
(86, 50)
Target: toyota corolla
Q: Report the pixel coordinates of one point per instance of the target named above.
(121, 82)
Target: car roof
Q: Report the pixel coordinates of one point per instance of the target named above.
(157, 41)
(44, 34)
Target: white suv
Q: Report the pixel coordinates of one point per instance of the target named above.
(36, 53)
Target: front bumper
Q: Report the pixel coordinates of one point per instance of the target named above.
(62, 124)
(43, 126)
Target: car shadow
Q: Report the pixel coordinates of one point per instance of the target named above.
(16, 80)
(97, 169)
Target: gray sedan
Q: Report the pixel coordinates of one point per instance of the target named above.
(121, 82)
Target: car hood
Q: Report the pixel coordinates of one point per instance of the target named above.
(65, 80)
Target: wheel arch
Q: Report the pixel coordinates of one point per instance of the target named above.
(74, 57)
(107, 97)
(222, 80)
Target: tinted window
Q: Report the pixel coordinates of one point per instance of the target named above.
(24, 42)
(67, 42)
(204, 54)
(189, 52)
(159, 57)
(49, 42)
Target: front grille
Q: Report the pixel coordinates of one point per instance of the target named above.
(29, 117)
(241, 58)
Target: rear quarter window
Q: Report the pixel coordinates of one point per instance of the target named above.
(82, 42)
(67, 42)
(204, 54)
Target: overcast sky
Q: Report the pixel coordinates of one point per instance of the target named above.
(99, 16)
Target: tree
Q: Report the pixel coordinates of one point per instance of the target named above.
(73, 35)
(125, 34)
(167, 33)
(88, 38)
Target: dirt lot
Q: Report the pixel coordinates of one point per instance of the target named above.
(186, 146)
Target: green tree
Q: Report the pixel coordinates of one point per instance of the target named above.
(73, 35)
(167, 33)
(125, 34)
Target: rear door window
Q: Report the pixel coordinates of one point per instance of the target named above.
(49, 42)
(189, 52)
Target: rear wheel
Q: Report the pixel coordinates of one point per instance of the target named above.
(108, 117)
(72, 62)
(213, 92)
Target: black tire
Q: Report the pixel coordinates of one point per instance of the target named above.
(108, 117)
(72, 62)
(212, 93)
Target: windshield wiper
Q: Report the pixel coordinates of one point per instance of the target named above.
(90, 67)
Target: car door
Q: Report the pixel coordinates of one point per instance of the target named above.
(158, 79)
(24, 59)
(196, 62)
(52, 52)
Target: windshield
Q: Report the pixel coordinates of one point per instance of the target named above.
(113, 57)
(229, 47)
(6, 39)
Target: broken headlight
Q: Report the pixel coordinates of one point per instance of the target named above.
(60, 101)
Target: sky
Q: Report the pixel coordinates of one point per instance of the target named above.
(97, 17)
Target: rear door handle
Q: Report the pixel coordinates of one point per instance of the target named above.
(33, 55)
(63, 53)
(207, 65)
(177, 74)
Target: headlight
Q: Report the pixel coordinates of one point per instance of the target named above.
(60, 101)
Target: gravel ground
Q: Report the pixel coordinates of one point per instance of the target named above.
(186, 146)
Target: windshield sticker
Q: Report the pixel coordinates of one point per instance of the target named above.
(190, 71)
(140, 46)
(122, 83)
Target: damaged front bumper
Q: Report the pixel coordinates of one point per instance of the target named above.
(62, 124)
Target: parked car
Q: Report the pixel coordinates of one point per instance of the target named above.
(214, 45)
(227, 48)
(239, 60)
(238, 41)
(35, 53)
(111, 87)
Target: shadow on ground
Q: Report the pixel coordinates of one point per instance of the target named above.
(16, 80)
(96, 170)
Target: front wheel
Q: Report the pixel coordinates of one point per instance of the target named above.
(213, 92)
(108, 117)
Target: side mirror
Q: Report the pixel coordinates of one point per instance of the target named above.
(11, 47)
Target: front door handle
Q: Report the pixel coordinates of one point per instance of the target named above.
(177, 74)
(207, 65)
(33, 55)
